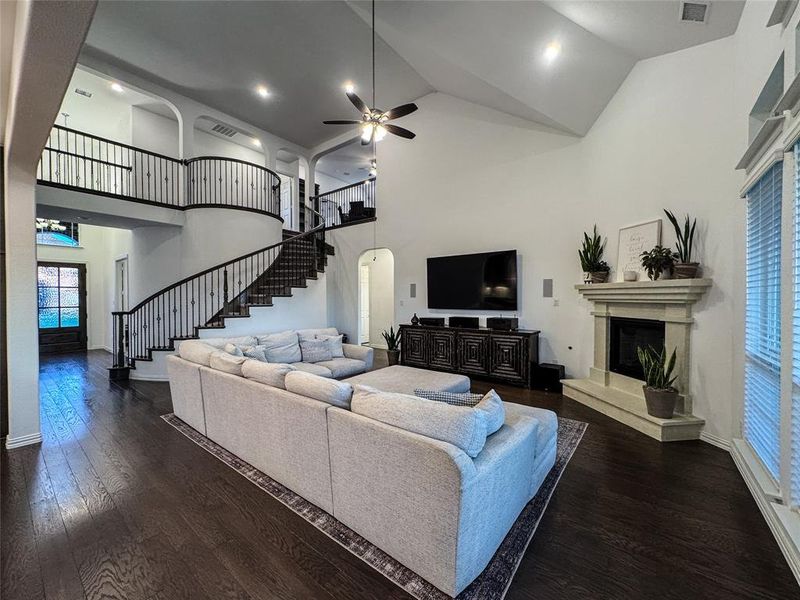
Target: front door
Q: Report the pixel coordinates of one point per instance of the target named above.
(62, 307)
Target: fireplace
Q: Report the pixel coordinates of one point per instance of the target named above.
(626, 335)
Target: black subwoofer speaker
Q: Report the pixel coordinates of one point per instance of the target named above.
(436, 321)
(503, 323)
(547, 377)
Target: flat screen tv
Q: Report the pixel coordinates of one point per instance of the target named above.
(486, 281)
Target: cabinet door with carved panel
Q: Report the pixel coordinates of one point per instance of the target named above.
(472, 353)
(413, 347)
(508, 356)
(442, 346)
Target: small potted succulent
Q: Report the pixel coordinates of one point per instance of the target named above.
(684, 267)
(392, 339)
(595, 269)
(658, 262)
(659, 394)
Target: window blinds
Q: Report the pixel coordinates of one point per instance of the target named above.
(763, 319)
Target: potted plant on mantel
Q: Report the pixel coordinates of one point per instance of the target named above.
(684, 267)
(659, 395)
(658, 262)
(392, 345)
(595, 269)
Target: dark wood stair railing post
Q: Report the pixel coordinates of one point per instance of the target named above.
(119, 370)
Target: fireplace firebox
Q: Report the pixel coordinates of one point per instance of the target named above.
(626, 335)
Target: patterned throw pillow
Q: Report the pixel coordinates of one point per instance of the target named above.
(334, 343)
(466, 399)
(315, 351)
(254, 352)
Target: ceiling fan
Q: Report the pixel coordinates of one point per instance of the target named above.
(374, 122)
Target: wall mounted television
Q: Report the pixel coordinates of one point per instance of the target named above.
(486, 281)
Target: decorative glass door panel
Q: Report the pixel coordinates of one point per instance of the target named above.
(62, 307)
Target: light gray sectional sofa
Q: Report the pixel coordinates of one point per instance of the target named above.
(420, 497)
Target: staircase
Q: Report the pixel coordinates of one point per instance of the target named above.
(227, 291)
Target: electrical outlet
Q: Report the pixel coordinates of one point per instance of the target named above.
(556, 302)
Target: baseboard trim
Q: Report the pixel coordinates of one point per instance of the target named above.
(23, 440)
(145, 377)
(770, 509)
(715, 440)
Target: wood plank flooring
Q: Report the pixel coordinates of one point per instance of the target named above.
(117, 504)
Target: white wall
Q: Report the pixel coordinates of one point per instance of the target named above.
(381, 293)
(477, 180)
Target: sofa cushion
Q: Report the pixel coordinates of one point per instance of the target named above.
(456, 399)
(312, 334)
(492, 405)
(323, 389)
(233, 349)
(335, 345)
(458, 425)
(281, 347)
(399, 378)
(313, 369)
(344, 367)
(219, 343)
(273, 374)
(228, 363)
(315, 351)
(196, 351)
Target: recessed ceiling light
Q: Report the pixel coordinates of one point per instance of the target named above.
(257, 142)
(117, 87)
(552, 50)
(262, 91)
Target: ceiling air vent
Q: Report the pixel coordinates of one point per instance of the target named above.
(223, 130)
(81, 92)
(694, 12)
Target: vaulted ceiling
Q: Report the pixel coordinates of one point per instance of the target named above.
(487, 52)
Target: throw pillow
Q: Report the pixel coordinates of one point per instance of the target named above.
(196, 351)
(228, 363)
(319, 388)
(315, 351)
(254, 352)
(335, 345)
(281, 347)
(233, 349)
(461, 426)
(492, 405)
(273, 374)
(466, 399)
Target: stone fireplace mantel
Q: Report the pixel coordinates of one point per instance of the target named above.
(619, 396)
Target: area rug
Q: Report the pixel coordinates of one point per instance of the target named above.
(491, 584)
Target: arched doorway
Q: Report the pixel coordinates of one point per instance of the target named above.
(375, 296)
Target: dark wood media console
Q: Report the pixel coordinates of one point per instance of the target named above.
(506, 356)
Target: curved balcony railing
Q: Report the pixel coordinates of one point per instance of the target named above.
(214, 181)
(348, 205)
(83, 162)
(80, 161)
(179, 310)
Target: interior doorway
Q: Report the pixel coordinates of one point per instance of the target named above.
(121, 284)
(375, 296)
(61, 291)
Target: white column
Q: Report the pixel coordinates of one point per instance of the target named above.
(21, 308)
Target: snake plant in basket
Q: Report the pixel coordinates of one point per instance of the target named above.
(659, 394)
(595, 269)
(392, 340)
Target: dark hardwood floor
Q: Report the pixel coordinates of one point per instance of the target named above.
(117, 504)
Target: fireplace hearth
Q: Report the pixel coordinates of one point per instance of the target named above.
(626, 336)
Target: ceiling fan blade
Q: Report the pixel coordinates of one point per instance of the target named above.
(400, 111)
(404, 133)
(341, 122)
(358, 103)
